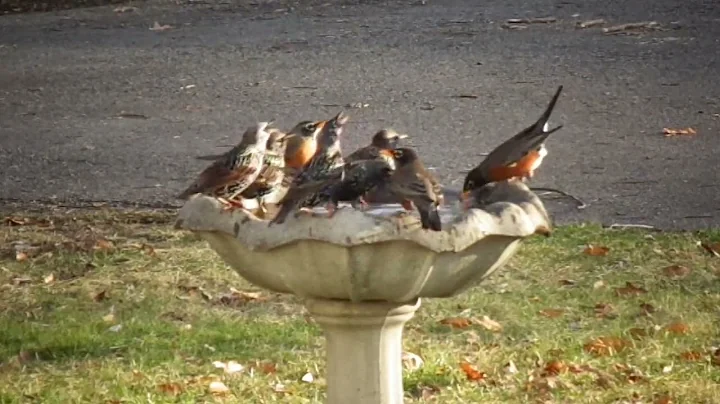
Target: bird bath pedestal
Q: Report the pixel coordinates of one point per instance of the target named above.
(361, 276)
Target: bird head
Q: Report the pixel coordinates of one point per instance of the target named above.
(404, 156)
(387, 139)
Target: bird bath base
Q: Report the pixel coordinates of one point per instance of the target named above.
(364, 349)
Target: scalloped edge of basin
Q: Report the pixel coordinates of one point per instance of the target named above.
(362, 256)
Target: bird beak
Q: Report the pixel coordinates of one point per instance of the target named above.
(402, 136)
(319, 126)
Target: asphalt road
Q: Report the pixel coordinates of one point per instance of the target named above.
(66, 77)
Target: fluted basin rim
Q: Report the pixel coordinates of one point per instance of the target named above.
(518, 214)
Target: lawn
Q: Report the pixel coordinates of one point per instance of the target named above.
(108, 306)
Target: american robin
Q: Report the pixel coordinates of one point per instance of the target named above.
(412, 183)
(326, 164)
(517, 157)
(302, 143)
(386, 139)
(271, 184)
(226, 178)
(509, 191)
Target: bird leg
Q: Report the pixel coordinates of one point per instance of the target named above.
(230, 204)
(332, 209)
(363, 205)
(305, 212)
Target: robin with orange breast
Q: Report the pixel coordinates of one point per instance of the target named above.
(326, 164)
(516, 158)
(386, 139)
(413, 184)
(228, 177)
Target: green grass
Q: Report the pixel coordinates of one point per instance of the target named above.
(173, 314)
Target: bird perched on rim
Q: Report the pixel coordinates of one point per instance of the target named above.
(271, 184)
(518, 157)
(302, 143)
(386, 139)
(228, 177)
(326, 164)
(412, 182)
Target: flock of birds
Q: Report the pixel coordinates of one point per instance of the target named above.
(295, 171)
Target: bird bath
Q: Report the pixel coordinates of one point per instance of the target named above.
(361, 276)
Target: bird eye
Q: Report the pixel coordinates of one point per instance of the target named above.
(310, 126)
(398, 153)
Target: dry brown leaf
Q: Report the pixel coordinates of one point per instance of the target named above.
(638, 333)
(712, 249)
(148, 249)
(668, 132)
(663, 399)
(100, 296)
(599, 284)
(21, 256)
(490, 324)
(472, 373)
(566, 282)
(647, 309)
(239, 297)
(555, 368)
(605, 310)
(678, 328)
(604, 346)
(676, 271)
(103, 245)
(456, 322)
(596, 251)
(552, 313)
(265, 367)
(172, 389)
(691, 356)
(427, 393)
(49, 279)
(17, 281)
(16, 221)
(630, 289)
(715, 357)
(158, 28)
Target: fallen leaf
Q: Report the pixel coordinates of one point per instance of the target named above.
(229, 367)
(604, 346)
(157, 27)
(218, 388)
(115, 328)
(555, 367)
(21, 256)
(668, 132)
(667, 369)
(712, 249)
(678, 328)
(647, 309)
(411, 361)
(715, 357)
(456, 322)
(599, 284)
(630, 290)
(427, 393)
(590, 23)
(17, 281)
(552, 313)
(510, 368)
(238, 297)
(676, 271)
(100, 296)
(308, 378)
(604, 310)
(265, 367)
(170, 388)
(472, 373)
(125, 9)
(596, 251)
(663, 399)
(490, 324)
(110, 318)
(103, 245)
(566, 282)
(49, 279)
(15, 221)
(691, 356)
(638, 333)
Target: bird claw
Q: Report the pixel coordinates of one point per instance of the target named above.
(407, 205)
(305, 212)
(360, 204)
(230, 205)
(332, 209)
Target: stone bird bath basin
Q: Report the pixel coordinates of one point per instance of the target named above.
(361, 275)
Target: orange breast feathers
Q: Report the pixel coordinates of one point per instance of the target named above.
(303, 154)
(523, 168)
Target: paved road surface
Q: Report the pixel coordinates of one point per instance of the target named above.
(65, 77)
